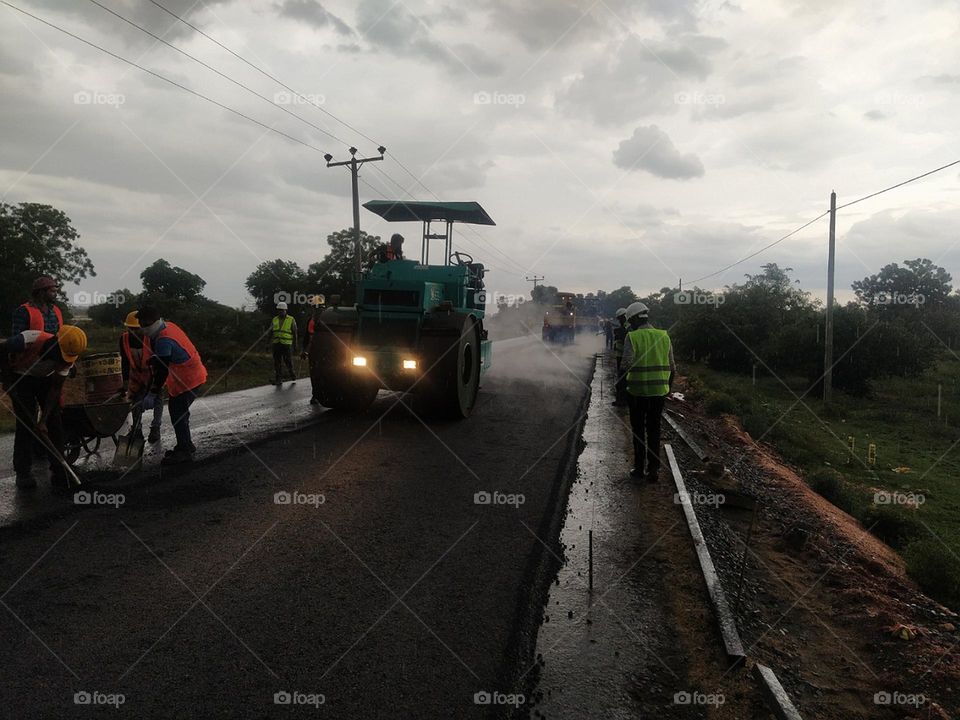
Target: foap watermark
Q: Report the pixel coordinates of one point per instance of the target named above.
(898, 698)
(698, 698)
(899, 99)
(85, 497)
(84, 298)
(499, 98)
(494, 697)
(95, 697)
(90, 97)
(895, 497)
(295, 697)
(698, 498)
(289, 98)
(500, 299)
(899, 298)
(498, 498)
(298, 298)
(690, 297)
(298, 498)
(699, 97)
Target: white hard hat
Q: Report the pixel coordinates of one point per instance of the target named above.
(637, 309)
(620, 312)
(281, 305)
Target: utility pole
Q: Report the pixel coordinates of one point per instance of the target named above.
(536, 279)
(354, 164)
(828, 324)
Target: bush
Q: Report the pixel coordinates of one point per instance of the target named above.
(830, 484)
(936, 570)
(718, 403)
(894, 526)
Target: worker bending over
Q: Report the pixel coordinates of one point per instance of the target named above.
(36, 364)
(175, 365)
(649, 371)
(136, 374)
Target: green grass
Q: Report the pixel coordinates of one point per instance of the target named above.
(227, 370)
(901, 421)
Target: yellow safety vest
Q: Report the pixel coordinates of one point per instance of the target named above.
(283, 334)
(649, 376)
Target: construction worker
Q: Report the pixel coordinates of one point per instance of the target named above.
(649, 370)
(619, 338)
(41, 312)
(394, 250)
(40, 362)
(317, 301)
(283, 339)
(175, 365)
(136, 374)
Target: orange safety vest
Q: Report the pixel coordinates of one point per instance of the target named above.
(36, 317)
(182, 376)
(139, 370)
(23, 361)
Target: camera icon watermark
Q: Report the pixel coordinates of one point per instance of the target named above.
(895, 497)
(699, 97)
(90, 97)
(685, 697)
(295, 697)
(887, 698)
(298, 498)
(95, 697)
(899, 298)
(96, 497)
(82, 298)
(483, 497)
(499, 98)
(494, 697)
(697, 498)
(689, 297)
(290, 98)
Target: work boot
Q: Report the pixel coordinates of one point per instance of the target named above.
(25, 481)
(191, 448)
(154, 435)
(636, 472)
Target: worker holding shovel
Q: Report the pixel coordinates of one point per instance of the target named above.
(36, 364)
(135, 368)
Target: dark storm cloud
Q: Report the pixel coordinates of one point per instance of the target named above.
(313, 13)
(391, 26)
(651, 149)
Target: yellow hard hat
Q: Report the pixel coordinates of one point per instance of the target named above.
(72, 341)
(132, 320)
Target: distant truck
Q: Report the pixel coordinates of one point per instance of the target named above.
(560, 321)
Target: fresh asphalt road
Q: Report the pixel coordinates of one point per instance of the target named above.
(383, 590)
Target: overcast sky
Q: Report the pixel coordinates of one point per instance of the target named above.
(613, 142)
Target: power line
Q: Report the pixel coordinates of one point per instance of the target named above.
(161, 77)
(330, 114)
(765, 247)
(900, 184)
(266, 74)
(213, 69)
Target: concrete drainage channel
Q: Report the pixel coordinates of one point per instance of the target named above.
(775, 696)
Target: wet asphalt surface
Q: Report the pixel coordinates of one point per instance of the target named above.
(381, 588)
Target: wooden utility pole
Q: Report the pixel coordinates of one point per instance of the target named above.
(536, 280)
(828, 325)
(354, 164)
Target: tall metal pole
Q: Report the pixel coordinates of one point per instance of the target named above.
(354, 164)
(828, 324)
(358, 266)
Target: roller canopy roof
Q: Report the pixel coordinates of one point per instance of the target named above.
(409, 210)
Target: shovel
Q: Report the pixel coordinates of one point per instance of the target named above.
(130, 446)
(44, 438)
